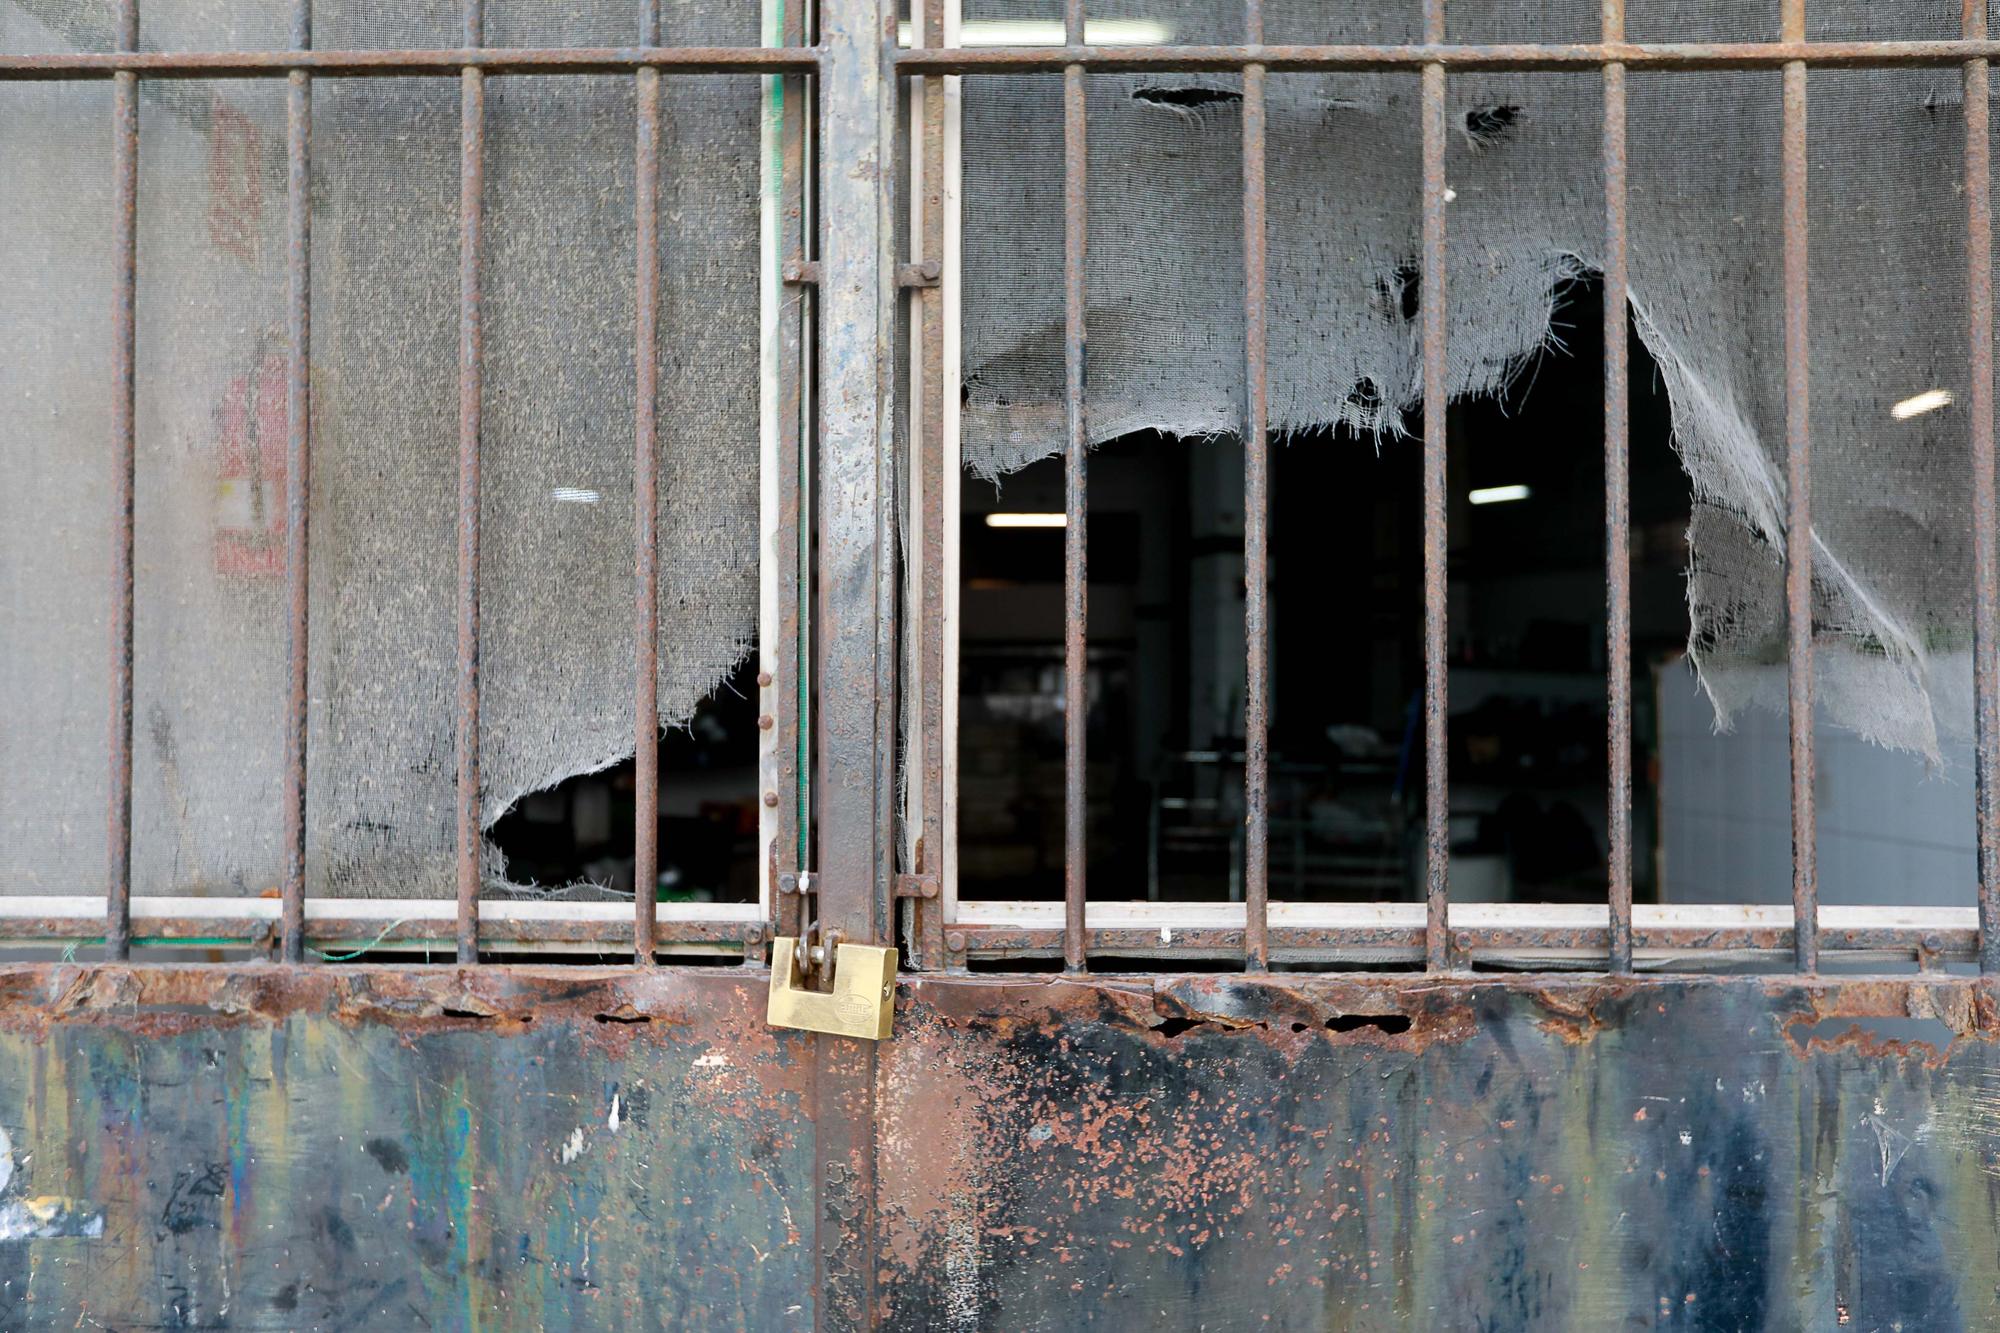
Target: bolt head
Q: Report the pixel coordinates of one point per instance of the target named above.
(765, 722)
(771, 799)
(955, 942)
(764, 679)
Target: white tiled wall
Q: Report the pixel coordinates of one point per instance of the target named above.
(1891, 830)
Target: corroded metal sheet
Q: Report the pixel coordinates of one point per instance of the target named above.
(321, 1149)
(1430, 1154)
(505, 1148)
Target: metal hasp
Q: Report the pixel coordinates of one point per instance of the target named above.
(862, 1003)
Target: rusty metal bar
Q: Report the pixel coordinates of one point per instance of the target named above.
(791, 650)
(646, 506)
(330, 923)
(1798, 504)
(1576, 946)
(124, 453)
(1580, 57)
(421, 63)
(1256, 518)
(298, 477)
(1339, 928)
(927, 914)
(1985, 549)
(471, 229)
(1437, 752)
(1617, 504)
(401, 63)
(855, 478)
(1076, 513)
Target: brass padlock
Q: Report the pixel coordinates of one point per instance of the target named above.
(863, 1000)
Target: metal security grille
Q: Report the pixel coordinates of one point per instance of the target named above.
(837, 218)
(1439, 936)
(468, 924)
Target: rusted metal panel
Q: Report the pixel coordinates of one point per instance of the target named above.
(516, 1148)
(1245, 1152)
(368, 1149)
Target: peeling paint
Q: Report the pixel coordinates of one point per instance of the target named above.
(1362, 1151)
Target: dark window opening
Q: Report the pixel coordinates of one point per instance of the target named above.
(1526, 642)
(577, 836)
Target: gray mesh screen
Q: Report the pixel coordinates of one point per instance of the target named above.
(557, 509)
(1891, 536)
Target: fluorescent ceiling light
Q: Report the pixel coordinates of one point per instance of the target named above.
(1930, 400)
(1027, 520)
(1050, 32)
(575, 495)
(1495, 495)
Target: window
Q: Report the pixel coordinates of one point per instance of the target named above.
(1113, 310)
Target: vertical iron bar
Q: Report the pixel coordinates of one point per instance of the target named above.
(855, 473)
(792, 652)
(1617, 503)
(471, 226)
(1256, 519)
(124, 445)
(1437, 791)
(1076, 605)
(646, 507)
(1985, 575)
(928, 914)
(298, 479)
(1798, 506)
(1075, 507)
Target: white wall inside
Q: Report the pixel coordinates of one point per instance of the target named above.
(1892, 830)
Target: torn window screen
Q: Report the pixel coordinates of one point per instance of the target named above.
(1892, 567)
(556, 623)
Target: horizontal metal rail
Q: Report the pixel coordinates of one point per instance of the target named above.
(1576, 935)
(441, 63)
(334, 925)
(1582, 57)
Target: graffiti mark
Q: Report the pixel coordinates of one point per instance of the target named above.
(249, 538)
(195, 1200)
(235, 181)
(49, 1217)
(389, 1155)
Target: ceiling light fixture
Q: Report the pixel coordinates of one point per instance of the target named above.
(1050, 32)
(1027, 520)
(1930, 400)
